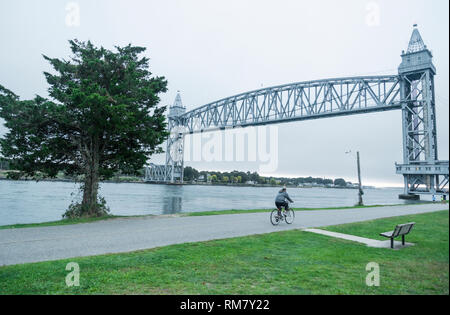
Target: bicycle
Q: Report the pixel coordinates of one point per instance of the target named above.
(286, 215)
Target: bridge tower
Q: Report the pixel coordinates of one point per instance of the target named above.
(421, 170)
(175, 142)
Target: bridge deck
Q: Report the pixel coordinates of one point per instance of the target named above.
(294, 102)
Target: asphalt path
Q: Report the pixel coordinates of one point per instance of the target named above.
(25, 245)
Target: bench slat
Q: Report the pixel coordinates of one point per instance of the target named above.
(405, 228)
(387, 234)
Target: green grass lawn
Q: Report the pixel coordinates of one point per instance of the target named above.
(292, 262)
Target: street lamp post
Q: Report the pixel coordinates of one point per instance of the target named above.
(360, 191)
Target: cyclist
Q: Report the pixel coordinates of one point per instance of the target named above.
(280, 200)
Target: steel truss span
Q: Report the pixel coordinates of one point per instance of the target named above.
(412, 91)
(297, 101)
(161, 173)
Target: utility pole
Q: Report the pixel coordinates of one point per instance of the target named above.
(361, 192)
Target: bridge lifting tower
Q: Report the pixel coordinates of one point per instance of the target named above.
(175, 143)
(422, 171)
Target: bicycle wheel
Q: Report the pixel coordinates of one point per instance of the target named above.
(289, 216)
(274, 219)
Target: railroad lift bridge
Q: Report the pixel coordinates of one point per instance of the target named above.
(411, 90)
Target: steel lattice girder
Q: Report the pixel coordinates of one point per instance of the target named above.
(419, 118)
(297, 101)
(427, 184)
(425, 178)
(156, 173)
(160, 173)
(174, 152)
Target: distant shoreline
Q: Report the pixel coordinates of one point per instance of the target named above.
(189, 184)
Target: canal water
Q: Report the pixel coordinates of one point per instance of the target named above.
(33, 202)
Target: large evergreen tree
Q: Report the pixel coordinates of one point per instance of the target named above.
(103, 117)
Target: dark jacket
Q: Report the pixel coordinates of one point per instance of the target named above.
(282, 196)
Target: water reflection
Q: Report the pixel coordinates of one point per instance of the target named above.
(172, 197)
(172, 205)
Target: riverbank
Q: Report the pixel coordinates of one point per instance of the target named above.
(289, 262)
(139, 180)
(263, 185)
(124, 180)
(190, 214)
(67, 180)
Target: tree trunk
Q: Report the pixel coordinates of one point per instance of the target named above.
(90, 193)
(91, 183)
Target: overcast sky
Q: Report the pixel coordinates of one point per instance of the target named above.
(211, 49)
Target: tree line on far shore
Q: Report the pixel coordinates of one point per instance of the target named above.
(240, 177)
(235, 177)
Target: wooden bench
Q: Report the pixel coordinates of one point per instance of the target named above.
(400, 230)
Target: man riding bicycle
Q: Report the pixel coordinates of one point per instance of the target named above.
(280, 200)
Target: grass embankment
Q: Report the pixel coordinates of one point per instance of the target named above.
(219, 212)
(292, 262)
(60, 222)
(189, 214)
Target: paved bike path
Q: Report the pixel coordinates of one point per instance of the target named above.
(129, 234)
